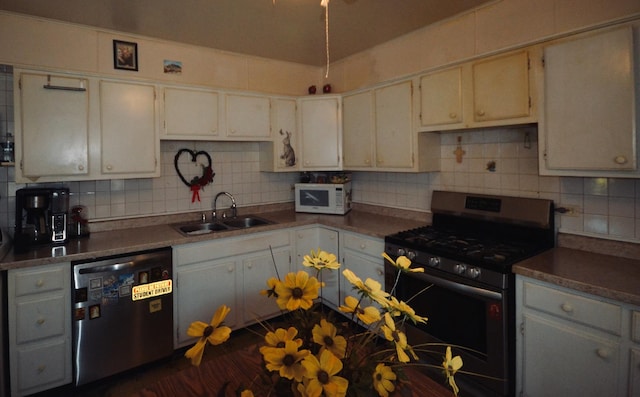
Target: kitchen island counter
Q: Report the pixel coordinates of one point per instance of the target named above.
(128, 236)
(572, 265)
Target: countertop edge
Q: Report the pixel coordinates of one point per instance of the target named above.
(607, 276)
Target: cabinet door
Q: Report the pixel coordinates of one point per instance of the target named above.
(130, 143)
(248, 116)
(357, 130)
(441, 98)
(634, 372)
(560, 360)
(285, 147)
(53, 127)
(321, 133)
(190, 113)
(200, 289)
(394, 134)
(315, 238)
(589, 112)
(364, 267)
(501, 87)
(257, 270)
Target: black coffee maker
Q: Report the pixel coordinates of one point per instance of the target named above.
(41, 217)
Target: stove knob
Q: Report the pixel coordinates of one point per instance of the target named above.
(460, 268)
(473, 272)
(402, 252)
(434, 261)
(411, 255)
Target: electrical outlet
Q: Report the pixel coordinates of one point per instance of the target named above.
(568, 210)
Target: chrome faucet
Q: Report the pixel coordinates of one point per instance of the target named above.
(234, 210)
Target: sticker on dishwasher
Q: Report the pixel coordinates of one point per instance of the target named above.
(150, 290)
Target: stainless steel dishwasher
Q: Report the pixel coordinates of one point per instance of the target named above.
(122, 313)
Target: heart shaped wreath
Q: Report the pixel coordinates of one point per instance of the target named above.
(197, 182)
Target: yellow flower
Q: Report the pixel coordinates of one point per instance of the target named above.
(246, 393)
(321, 374)
(398, 338)
(400, 308)
(451, 366)
(286, 360)
(297, 291)
(280, 336)
(370, 288)
(383, 378)
(212, 333)
(368, 315)
(325, 335)
(403, 264)
(321, 260)
(271, 283)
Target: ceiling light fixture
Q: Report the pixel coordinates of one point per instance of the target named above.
(325, 4)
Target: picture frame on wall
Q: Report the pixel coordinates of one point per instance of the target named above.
(125, 55)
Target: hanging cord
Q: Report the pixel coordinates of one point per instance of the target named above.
(325, 4)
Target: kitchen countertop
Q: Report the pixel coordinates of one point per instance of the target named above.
(600, 274)
(139, 238)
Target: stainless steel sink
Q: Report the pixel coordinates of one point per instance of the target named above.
(225, 224)
(192, 229)
(245, 222)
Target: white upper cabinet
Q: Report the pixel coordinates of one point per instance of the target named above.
(52, 126)
(281, 153)
(495, 91)
(321, 132)
(588, 126)
(358, 131)
(248, 117)
(130, 143)
(71, 128)
(501, 87)
(441, 98)
(190, 114)
(395, 146)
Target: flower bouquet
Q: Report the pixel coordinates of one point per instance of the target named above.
(319, 352)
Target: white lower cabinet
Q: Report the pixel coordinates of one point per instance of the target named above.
(314, 238)
(362, 255)
(39, 314)
(229, 271)
(573, 344)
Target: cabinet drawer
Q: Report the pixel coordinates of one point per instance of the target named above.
(42, 318)
(635, 326)
(364, 245)
(42, 366)
(591, 312)
(40, 280)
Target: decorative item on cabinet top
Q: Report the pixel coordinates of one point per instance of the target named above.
(196, 182)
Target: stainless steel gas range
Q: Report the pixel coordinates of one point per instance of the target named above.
(467, 253)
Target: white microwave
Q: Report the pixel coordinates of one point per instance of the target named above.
(323, 198)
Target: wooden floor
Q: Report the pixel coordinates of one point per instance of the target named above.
(236, 361)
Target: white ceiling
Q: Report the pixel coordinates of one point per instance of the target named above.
(289, 30)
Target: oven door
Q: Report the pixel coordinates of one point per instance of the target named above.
(473, 319)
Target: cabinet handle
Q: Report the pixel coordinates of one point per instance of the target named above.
(566, 307)
(453, 115)
(109, 167)
(40, 321)
(40, 283)
(380, 272)
(603, 353)
(480, 112)
(367, 161)
(81, 167)
(363, 246)
(230, 269)
(233, 131)
(620, 160)
(249, 266)
(41, 368)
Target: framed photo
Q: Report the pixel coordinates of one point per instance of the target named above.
(125, 55)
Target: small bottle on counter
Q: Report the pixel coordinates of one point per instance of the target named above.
(79, 222)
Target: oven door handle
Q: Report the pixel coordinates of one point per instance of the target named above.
(466, 289)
